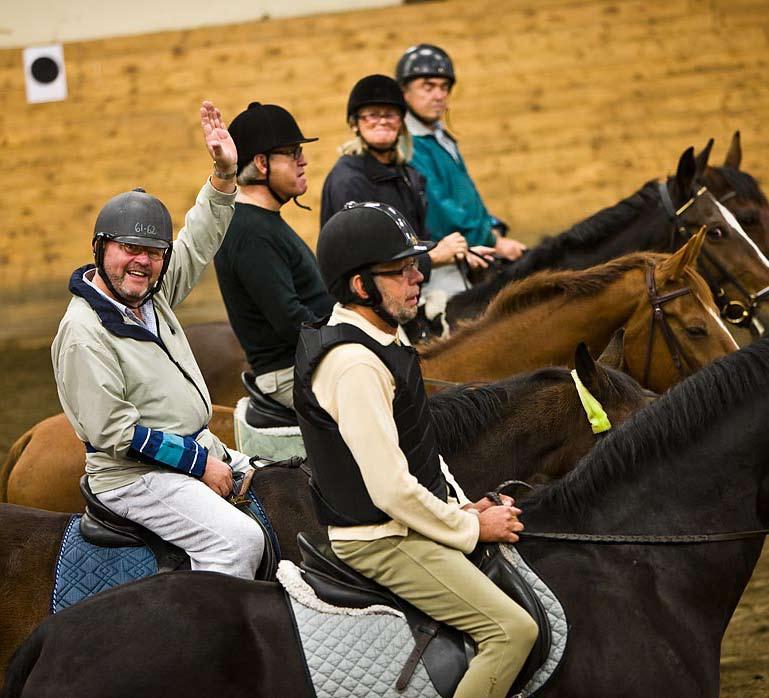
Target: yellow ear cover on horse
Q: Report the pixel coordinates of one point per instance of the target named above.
(599, 421)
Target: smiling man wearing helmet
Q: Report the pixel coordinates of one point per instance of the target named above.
(426, 75)
(393, 510)
(129, 384)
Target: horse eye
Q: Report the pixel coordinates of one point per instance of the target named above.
(748, 218)
(716, 233)
(696, 331)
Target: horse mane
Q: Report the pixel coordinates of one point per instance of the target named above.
(665, 427)
(459, 414)
(542, 286)
(743, 184)
(586, 234)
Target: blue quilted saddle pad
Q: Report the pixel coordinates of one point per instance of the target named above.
(84, 569)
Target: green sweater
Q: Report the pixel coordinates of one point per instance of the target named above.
(271, 284)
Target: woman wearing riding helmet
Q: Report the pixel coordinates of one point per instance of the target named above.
(373, 166)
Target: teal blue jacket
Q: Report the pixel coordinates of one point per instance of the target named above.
(453, 202)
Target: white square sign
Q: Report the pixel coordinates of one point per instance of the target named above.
(44, 73)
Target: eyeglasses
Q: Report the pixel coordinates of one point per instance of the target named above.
(154, 253)
(411, 268)
(374, 117)
(294, 152)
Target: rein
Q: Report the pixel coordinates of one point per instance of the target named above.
(658, 317)
(630, 539)
(735, 312)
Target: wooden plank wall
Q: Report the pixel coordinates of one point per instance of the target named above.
(562, 107)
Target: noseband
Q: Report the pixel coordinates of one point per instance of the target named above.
(735, 312)
(658, 317)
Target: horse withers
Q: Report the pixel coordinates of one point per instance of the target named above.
(648, 544)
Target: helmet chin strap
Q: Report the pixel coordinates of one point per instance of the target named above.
(374, 300)
(281, 200)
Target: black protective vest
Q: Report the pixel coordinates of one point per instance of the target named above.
(338, 493)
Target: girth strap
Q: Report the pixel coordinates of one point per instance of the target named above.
(423, 633)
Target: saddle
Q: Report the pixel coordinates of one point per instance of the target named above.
(444, 650)
(262, 411)
(101, 526)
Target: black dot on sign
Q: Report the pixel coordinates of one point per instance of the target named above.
(45, 69)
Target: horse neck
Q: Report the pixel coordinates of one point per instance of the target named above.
(542, 432)
(716, 483)
(713, 480)
(543, 334)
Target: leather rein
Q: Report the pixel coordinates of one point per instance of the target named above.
(630, 539)
(735, 312)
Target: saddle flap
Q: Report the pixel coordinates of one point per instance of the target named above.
(445, 656)
(262, 411)
(101, 526)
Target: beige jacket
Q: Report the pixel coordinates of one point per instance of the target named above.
(353, 385)
(108, 383)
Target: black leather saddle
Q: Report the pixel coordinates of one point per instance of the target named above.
(444, 651)
(101, 526)
(262, 411)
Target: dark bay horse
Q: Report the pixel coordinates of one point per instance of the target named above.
(488, 435)
(658, 217)
(536, 322)
(670, 511)
(738, 191)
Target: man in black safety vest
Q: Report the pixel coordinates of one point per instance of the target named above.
(393, 510)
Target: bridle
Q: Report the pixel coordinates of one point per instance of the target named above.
(658, 317)
(735, 312)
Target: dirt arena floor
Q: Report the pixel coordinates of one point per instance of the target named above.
(29, 395)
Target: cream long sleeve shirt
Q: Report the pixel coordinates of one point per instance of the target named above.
(356, 389)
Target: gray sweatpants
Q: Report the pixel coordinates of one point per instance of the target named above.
(184, 511)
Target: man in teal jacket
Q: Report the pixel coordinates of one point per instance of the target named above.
(426, 75)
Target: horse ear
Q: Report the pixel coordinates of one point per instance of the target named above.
(673, 267)
(734, 156)
(613, 356)
(585, 365)
(687, 170)
(702, 158)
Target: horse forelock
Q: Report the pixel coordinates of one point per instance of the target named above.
(666, 427)
(743, 184)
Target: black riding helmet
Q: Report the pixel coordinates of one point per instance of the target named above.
(262, 128)
(424, 61)
(356, 238)
(134, 218)
(375, 89)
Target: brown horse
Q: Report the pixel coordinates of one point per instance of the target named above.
(488, 434)
(45, 463)
(543, 344)
(671, 330)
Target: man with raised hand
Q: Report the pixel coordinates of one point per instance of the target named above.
(129, 384)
